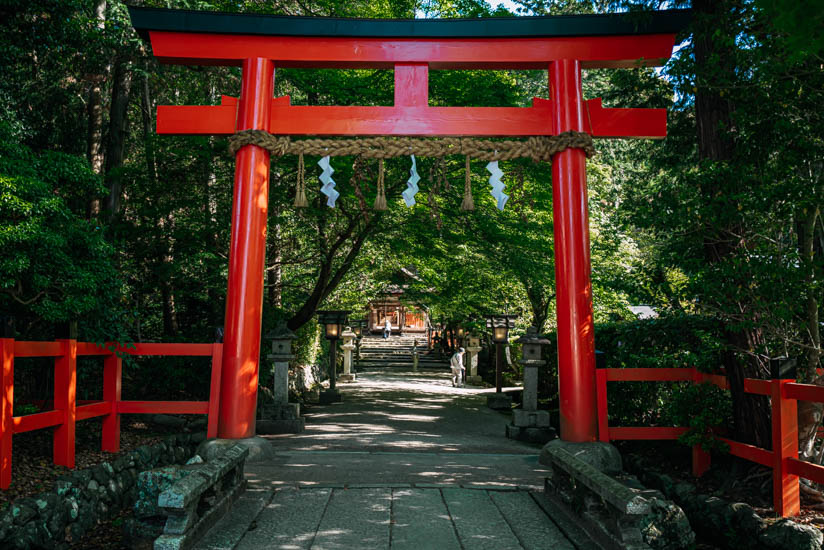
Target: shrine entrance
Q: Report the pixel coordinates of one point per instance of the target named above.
(558, 130)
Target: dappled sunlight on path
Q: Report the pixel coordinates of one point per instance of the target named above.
(402, 428)
(405, 411)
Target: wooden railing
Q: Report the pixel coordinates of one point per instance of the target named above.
(783, 458)
(67, 411)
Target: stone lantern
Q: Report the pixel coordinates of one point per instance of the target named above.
(281, 416)
(348, 346)
(528, 423)
(473, 346)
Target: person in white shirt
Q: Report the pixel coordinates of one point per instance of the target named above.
(458, 369)
(387, 328)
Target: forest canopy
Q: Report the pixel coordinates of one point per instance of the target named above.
(105, 223)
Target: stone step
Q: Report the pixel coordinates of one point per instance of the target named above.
(432, 364)
(387, 516)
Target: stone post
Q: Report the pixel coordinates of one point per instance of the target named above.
(529, 423)
(281, 416)
(348, 347)
(472, 348)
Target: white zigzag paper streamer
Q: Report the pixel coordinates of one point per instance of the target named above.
(328, 188)
(497, 184)
(412, 183)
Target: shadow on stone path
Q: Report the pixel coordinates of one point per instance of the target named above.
(404, 462)
(403, 427)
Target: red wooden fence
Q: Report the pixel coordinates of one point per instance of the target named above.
(783, 458)
(67, 411)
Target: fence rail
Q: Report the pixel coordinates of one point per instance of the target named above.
(67, 410)
(783, 458)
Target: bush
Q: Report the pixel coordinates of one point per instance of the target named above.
(672, 341)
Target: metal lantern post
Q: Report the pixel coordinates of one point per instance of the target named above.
(332, 321)
(359, 326)
(500, 325)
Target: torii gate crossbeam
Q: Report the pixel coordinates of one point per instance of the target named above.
(563, 45)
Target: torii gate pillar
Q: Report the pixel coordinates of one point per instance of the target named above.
(247, 258)
(573, 288)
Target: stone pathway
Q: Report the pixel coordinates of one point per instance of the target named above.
(404, 462)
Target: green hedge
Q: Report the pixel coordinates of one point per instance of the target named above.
(666, 342)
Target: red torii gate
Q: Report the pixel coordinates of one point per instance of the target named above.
(563, 45)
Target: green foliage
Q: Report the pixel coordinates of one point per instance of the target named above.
(700, 407)
(307, 346)
(56, 266)
(712, 242)
(672, 341)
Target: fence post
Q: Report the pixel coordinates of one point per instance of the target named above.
(786, 498)
(65, 395)
(112, 376)
(701, 459)
(6, 405)
(214, 389)
(601, 404)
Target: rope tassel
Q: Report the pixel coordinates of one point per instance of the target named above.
(380, 200)
(300, 191)
(468, 203)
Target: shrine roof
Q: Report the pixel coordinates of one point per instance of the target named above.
(145, 20)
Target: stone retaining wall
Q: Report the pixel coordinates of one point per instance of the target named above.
(728, 525)
(84, 498)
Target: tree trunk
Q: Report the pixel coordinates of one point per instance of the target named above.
(118, 128)
(167, 292)
(806, 242)
(715, 59)
(94, 138)
(274, 273)
(539, 304)
(326, 281)
(809, 413)
(146, 111)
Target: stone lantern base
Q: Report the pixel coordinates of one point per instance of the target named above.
(499, 401)
(475, 380)
(532, 426)
(281, 419)
(330, 396)
(346, 378)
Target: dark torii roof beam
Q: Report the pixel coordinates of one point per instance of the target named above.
(622, 40)
(411, 48)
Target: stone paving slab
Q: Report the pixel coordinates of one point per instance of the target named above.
(478, 521)
(420, 521)
(233, 526)
(571, 530)
(391, 518)
(529, 522)
(290, 520)
(355, 518)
